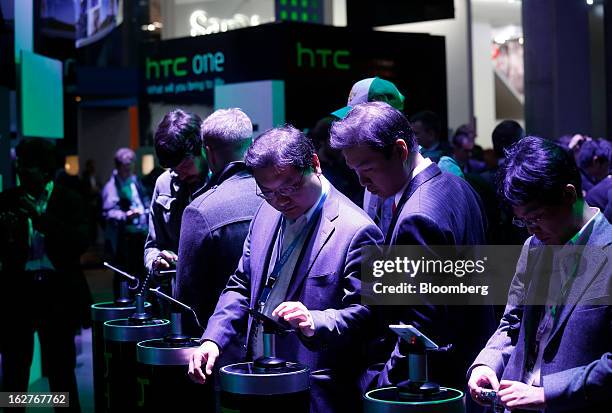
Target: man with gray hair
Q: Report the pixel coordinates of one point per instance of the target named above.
(216, 223)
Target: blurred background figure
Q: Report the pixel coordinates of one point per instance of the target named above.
(501, 229)
(333, 163)
(469, 130)
(463, 150)
(125, 214)
(42, 289)
(594, 163)
(428, 130)
(600, 195)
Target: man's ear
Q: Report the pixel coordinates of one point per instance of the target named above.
(570, 195)
(316, 164)
(401, 149)
(208, 155)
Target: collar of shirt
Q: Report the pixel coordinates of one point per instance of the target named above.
(417, 170)
(179, 185)
(432, 148)
(582, 236)
(568, 257)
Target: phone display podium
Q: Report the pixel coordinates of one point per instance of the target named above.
(417, 394)
(162, 374)
(268, 384)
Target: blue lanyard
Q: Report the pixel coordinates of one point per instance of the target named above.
(280, 263)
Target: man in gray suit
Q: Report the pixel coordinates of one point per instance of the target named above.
(552, 349)
(216, 223)
(301, 262)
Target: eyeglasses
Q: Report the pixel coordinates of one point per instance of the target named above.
(284, 191)
(524, 223)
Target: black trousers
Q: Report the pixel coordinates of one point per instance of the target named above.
(47, 311)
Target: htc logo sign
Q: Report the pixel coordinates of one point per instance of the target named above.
(323, 58)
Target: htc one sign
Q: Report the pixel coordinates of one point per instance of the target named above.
(183, 66)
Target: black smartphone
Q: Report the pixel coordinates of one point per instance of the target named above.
(278, 326)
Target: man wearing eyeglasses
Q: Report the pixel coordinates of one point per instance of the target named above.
(301, 263)
(552, 349)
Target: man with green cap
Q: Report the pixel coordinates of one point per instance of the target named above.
(375, 89)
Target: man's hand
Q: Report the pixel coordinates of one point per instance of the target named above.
(207, 353)
(296, 314)
(164, 260)
(28, 207)
(517, 395)
(482, 378)
(134, 212)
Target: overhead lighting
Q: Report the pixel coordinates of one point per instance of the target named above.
(589, 2)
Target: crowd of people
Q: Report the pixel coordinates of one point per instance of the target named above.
(279, 223)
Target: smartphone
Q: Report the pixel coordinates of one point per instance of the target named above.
(409, 333)
(280, 326)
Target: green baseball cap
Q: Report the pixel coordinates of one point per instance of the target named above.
(370, 90)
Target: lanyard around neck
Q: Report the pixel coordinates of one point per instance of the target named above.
(280, 263)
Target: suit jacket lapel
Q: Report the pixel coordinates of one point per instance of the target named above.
(539, 266)
(422, 177)
(322, 232)
(593, 259)
(262, 245)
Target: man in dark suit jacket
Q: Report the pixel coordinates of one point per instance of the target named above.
(44, 231)
(432, 208)
(216, 223)
(552, 349)
(214, 227)
(311, 238)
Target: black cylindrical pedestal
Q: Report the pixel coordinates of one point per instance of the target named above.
(101, 312)
(162, 371)
(388, 400)
(123, 391)
(246, 389)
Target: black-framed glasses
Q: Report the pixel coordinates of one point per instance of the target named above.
(524, 223)
(283, 191)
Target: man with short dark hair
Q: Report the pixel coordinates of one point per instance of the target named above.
(301, 263)
(427, 128)
(552, 347)
(431, 208)
(178, 146)
(506, 134)
(501, 229)
(594, 162)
